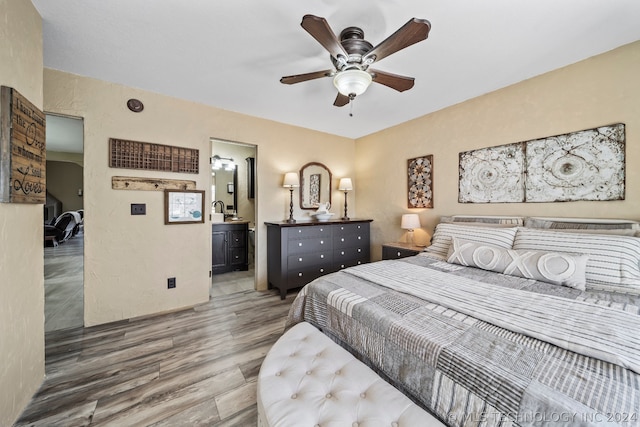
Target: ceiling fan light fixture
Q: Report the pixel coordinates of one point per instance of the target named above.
(352, 82)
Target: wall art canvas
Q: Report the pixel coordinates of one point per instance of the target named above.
(585, 165)
(420, 177)
(314, 189)
(492, 175)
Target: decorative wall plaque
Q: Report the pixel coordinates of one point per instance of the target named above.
(492, 175)
(147, 156)
(420, 180)
(583, 165)
(22, 149)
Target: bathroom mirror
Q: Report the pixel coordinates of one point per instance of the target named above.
(315, 185)
(225, 182)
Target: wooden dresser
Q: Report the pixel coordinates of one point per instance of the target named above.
(300, 252)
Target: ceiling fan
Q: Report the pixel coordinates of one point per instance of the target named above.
(352, 55)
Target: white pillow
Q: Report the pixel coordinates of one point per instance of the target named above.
(552, 267)
(613, 263)
(500, 237)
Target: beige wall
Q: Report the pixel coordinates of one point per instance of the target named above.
(598, 91)
(129, 258)
(21, 256)
(64, 179)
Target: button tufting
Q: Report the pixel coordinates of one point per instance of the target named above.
(294, 396)
(328, 396)
(362, 395)
(308, 372)
(355, 425)
(394, 424)
(277, 374)
(338, 372)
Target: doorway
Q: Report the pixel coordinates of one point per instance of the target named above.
(64, 223)
(233, 202)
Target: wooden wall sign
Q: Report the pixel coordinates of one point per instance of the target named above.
(150, 184)
(22, 149)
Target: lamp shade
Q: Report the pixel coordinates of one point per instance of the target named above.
(345, 184)
(291, 180)
(352, 82)
(410, 221)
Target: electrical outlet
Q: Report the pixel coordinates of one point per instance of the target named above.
(138, 209)
(171, 282)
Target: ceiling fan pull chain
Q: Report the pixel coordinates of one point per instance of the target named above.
(352, 98)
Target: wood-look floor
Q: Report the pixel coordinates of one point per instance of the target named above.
(193, 367)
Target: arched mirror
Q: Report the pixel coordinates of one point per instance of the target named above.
(315, 185)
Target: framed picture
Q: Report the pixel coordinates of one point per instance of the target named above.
(230, 188)
(420, 177)
(183, 206)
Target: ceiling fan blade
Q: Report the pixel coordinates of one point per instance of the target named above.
(414, 31)
(341, 100)
(289, 80)
(394, 81)
(322, 32)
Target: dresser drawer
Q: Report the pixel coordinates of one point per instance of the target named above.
(311, 259)
(296, 233)
(347, 256)
(350, 240)
(300, 277)
(301, 246)
(344, 229)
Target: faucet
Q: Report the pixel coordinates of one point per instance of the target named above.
(218, 202)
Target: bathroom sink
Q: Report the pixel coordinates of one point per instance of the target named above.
(217, 218)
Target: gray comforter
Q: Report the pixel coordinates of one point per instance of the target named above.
(481, 348)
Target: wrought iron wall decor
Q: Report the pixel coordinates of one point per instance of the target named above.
(420, 180)
(583, 165)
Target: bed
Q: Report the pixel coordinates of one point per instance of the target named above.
(501, 321)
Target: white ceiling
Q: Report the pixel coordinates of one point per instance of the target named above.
(231, 54)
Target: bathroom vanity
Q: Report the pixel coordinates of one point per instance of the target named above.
(230, 244)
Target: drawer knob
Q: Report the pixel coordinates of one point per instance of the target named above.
(300, 244)
(359, 238)
(299, 274)
(342, 266)
(299, 259)
(300, 230)
(321, 255)
(322, 270)
(342, 253)
(342, 240)
(398, 253)
(322, 229)
(322, 242)
(359, 262)
(359, 250)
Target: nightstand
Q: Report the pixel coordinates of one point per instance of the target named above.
(399, 250)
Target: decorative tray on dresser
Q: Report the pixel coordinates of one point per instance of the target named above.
(299, 252)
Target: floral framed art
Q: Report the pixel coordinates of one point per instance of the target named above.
(420, 180)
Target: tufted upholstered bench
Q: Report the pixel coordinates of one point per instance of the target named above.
(308, 380)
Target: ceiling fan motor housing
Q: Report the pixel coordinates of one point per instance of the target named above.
(353, 42)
